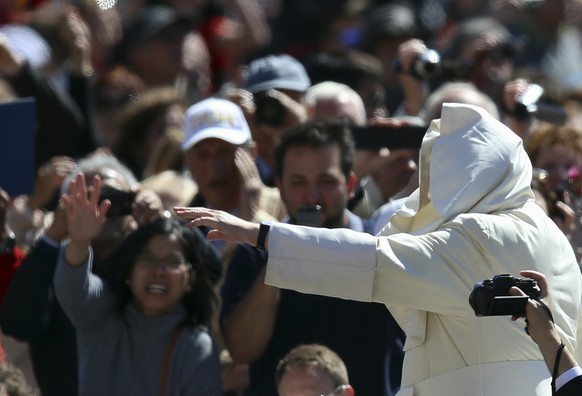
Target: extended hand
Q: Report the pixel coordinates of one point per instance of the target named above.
(224, 225)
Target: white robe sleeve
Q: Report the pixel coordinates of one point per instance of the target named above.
(419, 272)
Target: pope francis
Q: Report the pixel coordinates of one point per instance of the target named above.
(472, 217)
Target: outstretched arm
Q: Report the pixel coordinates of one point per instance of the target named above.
(83, 295)
(224, 225)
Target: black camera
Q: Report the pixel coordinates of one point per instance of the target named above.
(429, 65)
(269, 110)
(491, 297)
(529, 105)
(121, 201)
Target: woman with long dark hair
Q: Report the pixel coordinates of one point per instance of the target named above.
(144, 332)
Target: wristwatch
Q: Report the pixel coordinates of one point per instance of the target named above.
(263, 232)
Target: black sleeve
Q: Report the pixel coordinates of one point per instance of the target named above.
(81, 91)
(60, 123)
(244, 267)
(28, 302)
(571, 388)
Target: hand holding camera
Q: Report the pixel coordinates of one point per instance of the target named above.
(275, 109)
(492, 297)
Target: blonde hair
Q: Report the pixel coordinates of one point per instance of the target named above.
(547, 135)
(314, 355)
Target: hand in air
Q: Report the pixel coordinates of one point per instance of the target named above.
(85, 214)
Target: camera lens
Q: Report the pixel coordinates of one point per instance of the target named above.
(269, 110)
(428, 64)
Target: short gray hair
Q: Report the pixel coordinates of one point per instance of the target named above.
(95, 162)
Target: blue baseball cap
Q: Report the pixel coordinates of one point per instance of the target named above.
(276, 72)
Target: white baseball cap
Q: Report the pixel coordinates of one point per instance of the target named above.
(215, 118)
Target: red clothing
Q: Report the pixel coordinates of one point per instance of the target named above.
(221, 61)
(9, 263)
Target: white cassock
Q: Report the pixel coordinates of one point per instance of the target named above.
(473, 217)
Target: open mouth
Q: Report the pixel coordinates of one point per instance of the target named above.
(157, 288)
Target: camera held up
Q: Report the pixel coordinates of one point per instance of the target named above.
(430, 65)
(269, 110)
(491, 297)
(529, 105)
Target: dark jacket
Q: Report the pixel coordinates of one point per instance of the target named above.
(364, 335)
(571, 388)
(32, 314)
(63, 118)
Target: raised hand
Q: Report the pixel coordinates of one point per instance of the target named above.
(250, 186)
(48, 181)
(85, 214)
(10, 63)
(85, 217)
(77, 36)
(147, 206)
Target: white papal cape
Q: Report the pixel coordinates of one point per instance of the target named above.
(472, 217)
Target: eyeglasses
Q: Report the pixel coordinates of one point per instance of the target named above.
(170, 263)
(338, 390)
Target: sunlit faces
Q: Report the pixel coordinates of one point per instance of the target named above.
(305, 381)
(556, 160)
(211, 164)
(313, 176)
(160, 276)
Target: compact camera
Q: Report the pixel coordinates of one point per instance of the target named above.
(430, 65)
(528, 104)
(269, 110)
(491, 297)
(121, 201)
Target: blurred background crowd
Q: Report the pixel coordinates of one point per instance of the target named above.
(186, 103)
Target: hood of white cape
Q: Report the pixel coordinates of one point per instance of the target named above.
(469, 163)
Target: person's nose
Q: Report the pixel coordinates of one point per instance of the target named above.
(217, 166)
(312, 194)
(412, 165)
(158, 269)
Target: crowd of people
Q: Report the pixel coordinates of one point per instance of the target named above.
(260, 197)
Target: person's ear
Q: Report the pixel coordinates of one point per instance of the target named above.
(351, 182)
(348, 391)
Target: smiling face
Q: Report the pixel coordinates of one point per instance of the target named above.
(556, 159)
(211, 163)
(160, 276)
